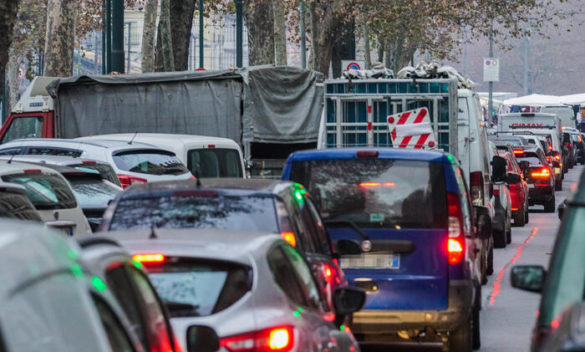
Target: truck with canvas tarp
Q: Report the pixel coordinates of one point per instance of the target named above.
(269, 111)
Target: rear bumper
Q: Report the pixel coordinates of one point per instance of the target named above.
(537, 195)
(383, 322)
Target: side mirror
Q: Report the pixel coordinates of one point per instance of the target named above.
(561, 209)
(513, 178)
(499, 166)
(528, 277)
(202, 339)
(348, 300)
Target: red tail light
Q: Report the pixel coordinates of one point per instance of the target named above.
(476, 189)
(127, 181)
(289, 237)
(274, 339)
(455, 242)
(496, 192)
(151, 258)
(549, 159)
(370, 184)
(367, 154)
(542, 173)
(328, 272)
(32, 171)
(550, 147)
(518, 152)
(89, 162)
(557, 157)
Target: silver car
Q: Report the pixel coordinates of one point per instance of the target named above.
(255, 290)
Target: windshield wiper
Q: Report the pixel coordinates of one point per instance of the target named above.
(351, 225)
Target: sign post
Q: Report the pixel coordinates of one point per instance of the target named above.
(352, 65)
(491, 69)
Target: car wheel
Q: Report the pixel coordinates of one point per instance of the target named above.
(490, 262)
(460, 340)
(549, 206)
(476, 337)
(527, 216)
(509, 236)
(484, 274)
(499, 239)
(558, 185)
(520, 217)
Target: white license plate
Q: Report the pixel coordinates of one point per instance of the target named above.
(371, 261)
(530, 185)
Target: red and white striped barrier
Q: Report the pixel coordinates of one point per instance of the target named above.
(412, 129)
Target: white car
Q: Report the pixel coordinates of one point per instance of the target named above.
(133, 162)
(211, 157)
(50, 193)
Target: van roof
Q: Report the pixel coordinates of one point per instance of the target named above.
(351, 153)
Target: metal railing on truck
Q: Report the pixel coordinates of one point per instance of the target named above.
(356, 112)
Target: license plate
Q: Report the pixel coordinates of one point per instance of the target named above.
(371, 261)
(530, 185)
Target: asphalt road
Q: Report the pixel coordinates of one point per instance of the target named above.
(508, 314)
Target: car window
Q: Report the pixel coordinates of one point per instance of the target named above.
(120, 285)
(155, 318)
(304, 275)
(196, 209)
(215, 162)
(24, 127)
(11, 151)
(305, 242)
(320, 231)
(105, 170)
(117, 337)
(199, 288)
(151, 162)
(286, 278)
(15, 205)
(75, 153)
(45, 191)
(464, 199)
(93, 192)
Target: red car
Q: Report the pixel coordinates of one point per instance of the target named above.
(518, 191)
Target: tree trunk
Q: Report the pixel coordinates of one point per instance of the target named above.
(366, 34)
(60, 39)
(150, 12)
(8, 10)
(326, 20)
(279, 32)
(344, 48)
(12, 81)
(158, 54)
(164, 26)
(260, 24)
(182, 12)
(381, 51)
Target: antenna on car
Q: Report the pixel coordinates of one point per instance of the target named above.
(153, 235)
(132, 140)
(10, 160)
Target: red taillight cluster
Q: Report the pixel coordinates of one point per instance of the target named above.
(557, 157)
(542, 173)
(274, 339)
(289, 237)
(127, 181)
(518, 152)
(456, 240)
(150, 258)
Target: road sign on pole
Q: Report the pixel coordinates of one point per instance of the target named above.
(491, 69)
(352, 65)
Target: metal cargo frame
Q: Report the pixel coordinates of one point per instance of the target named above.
(356, 112)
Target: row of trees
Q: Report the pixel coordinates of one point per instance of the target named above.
(395, 29)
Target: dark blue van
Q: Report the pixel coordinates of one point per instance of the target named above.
(402, 222)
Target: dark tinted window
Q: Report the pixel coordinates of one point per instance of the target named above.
(105, 170)
(200, 288)
(93, 192)
(286, 278)
(152, 162)
(15, 205)
(11, 151)
(196, 209)
(117, 337)
(54, 151)
(531, 157)
(45, 191)
(215, 162)
(376, 192)
(24, 127)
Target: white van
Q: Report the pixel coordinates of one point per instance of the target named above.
(565, 113)
(210, 157)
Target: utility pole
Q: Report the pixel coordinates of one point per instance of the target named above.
(129, 46)
(117, 34)
(108, 35)
(239, 34)
(201, 34)
(526, 68)
(491, 84)
(303, 35)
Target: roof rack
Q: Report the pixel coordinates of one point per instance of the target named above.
(85, 242)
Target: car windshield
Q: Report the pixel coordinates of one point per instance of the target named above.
(152, 162)
(532, 158)
(45, 191)
(376, 192)
(196, 209)
(200, 288)
(15, 205)
(93, 192)
(215, 162)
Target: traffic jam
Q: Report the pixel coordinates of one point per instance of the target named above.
(372, 213)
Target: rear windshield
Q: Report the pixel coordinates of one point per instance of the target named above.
(45, 191)
(376, 192)
(152, 162)
(532, 158)
(93, 193)
(215, 163)
(105, 171)
(198, 209)
(15, 205)
(194, 289)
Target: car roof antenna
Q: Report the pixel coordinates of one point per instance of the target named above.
(10, 160)
(132, 140)
(153, 235)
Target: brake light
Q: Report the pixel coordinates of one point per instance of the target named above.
(328, 273)
(557, 157)
(127, 181)
(455, 251)
(211, 146)
(542, 173)
(89, 162)
(549, 159)
(476, 188)
(370, 184)
(275, 339)
(149, 258)
(455, 223)
(32, 171)
(496, 192)
(518, 152)
(367, 153)
(550, 147)
(289, 237)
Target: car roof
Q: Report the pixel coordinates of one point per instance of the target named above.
(51, 159)
(165, 138)
(227, 185)
(225, 245)
(79, 143)
(29, 252)
(351, 153)
(12, 167)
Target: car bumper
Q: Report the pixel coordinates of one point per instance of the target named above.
(540, 194)
(383, 322)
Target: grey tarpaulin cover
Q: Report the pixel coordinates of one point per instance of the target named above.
(281, 104)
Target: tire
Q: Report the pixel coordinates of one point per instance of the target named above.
(558, 185)
(476, 331)
(460, 340)
(549, 206)
(527, 217)
(484, 269)
(490, 262)
(520, 217)
(499, 239)
(509, 236)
